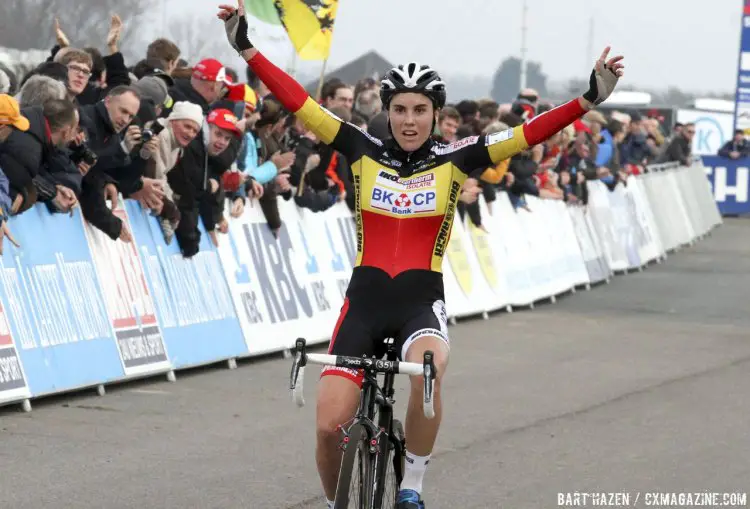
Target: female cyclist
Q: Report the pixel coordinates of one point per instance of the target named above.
(406, 192)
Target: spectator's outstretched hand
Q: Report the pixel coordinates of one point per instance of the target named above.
(125, 234)
(151, 195)
(238, 208)
(5, 232)
(115, 31)
(604, 77)
(65, 199)
(223, 226)
(60, 37)
(257, 190)
(110, 194)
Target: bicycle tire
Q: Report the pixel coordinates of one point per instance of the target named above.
(356, 459)
(389, 467)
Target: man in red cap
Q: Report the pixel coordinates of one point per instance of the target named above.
(222, 128)
(206, 85)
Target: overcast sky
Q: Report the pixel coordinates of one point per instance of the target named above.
(692, 44)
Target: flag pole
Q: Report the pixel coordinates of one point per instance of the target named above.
(320, 83)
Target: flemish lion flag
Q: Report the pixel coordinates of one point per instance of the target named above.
(309, 24)
(263, 10)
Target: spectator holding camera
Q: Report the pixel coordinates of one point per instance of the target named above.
(175, 133)
(113, 141)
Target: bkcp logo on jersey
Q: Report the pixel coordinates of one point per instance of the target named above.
(404, 202)
(404, 195)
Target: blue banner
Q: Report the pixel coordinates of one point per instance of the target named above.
(193, 304)
(52, 299)
(742, 94)
(730, 181)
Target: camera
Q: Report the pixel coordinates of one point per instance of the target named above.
(83, 154)
(148, 133)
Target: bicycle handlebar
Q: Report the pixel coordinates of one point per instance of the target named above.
(301, 359)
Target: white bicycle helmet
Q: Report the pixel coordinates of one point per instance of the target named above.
(412, 77)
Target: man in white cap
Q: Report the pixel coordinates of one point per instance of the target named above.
(175, 133)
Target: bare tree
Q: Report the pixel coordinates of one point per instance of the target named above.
(28, 24)
(197, 38)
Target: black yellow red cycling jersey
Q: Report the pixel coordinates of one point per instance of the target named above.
(406, 202)
(405, 205)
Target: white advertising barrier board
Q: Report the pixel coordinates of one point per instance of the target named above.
(647, 235)
(705, 197)
(324, 270)
(602, 215)
(625, 225)
(491, 252)
(543, 256)
(561, 233)
(705, 201)
(592, 253)
(681, 213)
(268, 281)
(509, 239)
(662, 207)
(465, 269)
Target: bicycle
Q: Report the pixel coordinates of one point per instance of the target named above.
(369, 449)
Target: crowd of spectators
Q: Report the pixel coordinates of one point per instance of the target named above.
(82, 128)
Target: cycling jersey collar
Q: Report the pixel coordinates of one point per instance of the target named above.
(409, 158)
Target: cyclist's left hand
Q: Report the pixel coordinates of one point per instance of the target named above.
(604, 77)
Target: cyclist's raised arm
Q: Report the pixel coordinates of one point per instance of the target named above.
(499, 146)
(331, 130)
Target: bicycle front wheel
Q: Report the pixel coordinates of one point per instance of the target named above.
(389, 467)
(354, 489)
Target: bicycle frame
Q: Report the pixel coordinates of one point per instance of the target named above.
(373, 394)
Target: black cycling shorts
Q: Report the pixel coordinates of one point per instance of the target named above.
(376, 307)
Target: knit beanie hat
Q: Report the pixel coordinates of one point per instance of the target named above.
(152, 88)
(184, 110)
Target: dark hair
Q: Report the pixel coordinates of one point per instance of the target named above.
(122, 90)
(739, 131)
(335, 87)
(163, 49)
(252, 79)
(449, 112)
(467, 108)
(97, 64)
(614, 127)
(184, 63)
(358, 119)
(325, 90)
(145, 67)
(489, 110)
(511, 119)
(52, 69)
(59, 113)
(232, 74)
(362, 85)
(464, 131)
(343, 113)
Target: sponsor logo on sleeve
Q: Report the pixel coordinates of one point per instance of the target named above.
(499, 137)
(456, 145)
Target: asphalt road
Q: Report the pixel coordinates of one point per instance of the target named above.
(640, 385)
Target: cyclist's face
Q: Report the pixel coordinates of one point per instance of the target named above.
(412, 116)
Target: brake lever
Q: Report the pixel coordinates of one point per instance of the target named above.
(297, 376)
(429, 385)
(300, 359)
